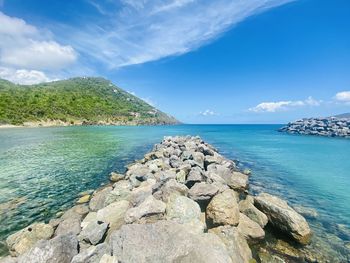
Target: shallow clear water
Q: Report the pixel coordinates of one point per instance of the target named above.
(42, 170)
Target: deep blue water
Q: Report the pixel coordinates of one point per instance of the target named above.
(42, 170)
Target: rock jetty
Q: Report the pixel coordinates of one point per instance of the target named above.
(183, 202)
(331, 127)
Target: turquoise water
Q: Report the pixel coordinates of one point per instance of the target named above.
(42, 170)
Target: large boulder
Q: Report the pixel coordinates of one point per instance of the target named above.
(90, 217)
(69, 225)
(283, 217)
(139, 194)
(94, 232)
(236, 244)
(247, 207)
(184, 211)
(78, 211)
(60, 249)
(149, 207)
(250, 229)
(98, 198)
(163, 190)
(165, 242)
(93, 254)
(223, 209)
(223, 174)
(21, 241)
(202, 191)
(121, 191)
(113, 214)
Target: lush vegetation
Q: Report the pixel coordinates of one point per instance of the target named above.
(77, 100)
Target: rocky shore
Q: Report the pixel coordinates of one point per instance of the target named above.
(183, 202)
(331, 127)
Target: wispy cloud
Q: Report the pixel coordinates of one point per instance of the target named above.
(208, 113)
(136, 32)
(284, 105)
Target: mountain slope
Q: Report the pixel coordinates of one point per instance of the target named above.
(344, 115)
(75, 101)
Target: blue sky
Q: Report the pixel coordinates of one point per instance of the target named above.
(222, 61)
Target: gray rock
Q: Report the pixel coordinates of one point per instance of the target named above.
(109, 259)
(115, 177)
(202, 191)
(195, 176)
(198, 157)
(113, 214)
(184, 211)
(94, 232)
(165, 242)
(90, 217)
(69, 225)
(139, 194)
(8, 259)
(283, 217)
(60, 249)
(236, 244)
(21, 241)
(223, 209)
(175, 161)
(164, 190)
(93, 254)
(98, 198)
(247, 208)
(149, 207)
(222, 174)
(78, 211)
(250, 229)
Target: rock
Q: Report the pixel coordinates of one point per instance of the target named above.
(283, 217)
(54, 222)
(149, 207)
(238, 181)
(175, 161)
(266, 257)
(223, 209)
(21, 241)
(98, 198)
(121, 191)
(8, 259)
(139, 194)
(222, 174)
(60, 249)
(250, 229)
(202, 191)
(246, 207)
(115, 177)
(186, 155)
(90, 217)
(184, 211)
(198, 157)
(94, 232)
(93, 254)
(181, 176)
(84, 199)
(109, 259)
(113, 214)
(247, 171)
(236, 244)
(194, 176)
(78, 211)
(69, 225)
(163, 191)
(166, 242)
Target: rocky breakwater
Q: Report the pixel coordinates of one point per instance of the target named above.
(331, 127)
(183, 202)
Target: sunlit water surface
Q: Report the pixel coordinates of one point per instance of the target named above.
(42, 170)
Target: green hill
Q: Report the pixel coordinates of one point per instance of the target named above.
(75, 101)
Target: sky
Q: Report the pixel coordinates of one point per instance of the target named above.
(202, 61)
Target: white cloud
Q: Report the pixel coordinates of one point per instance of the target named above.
(23, 76)
(140, 31)
(28, 51)
(343, 96)
(284, 105)
(207, 113)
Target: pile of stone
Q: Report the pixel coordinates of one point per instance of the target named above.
(183, 202)
(331, 127)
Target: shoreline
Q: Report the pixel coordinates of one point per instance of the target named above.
(178, 166)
